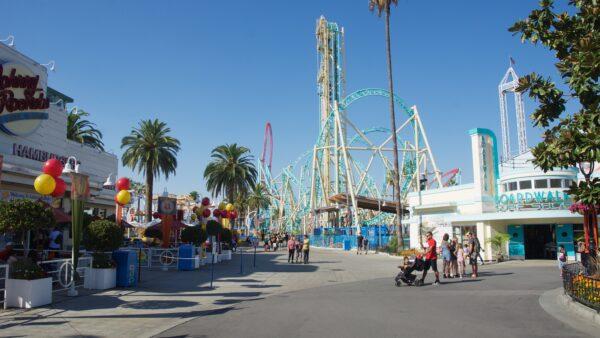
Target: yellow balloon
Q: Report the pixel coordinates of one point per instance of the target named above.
(44, 184)
(222, 205)
(123, 197)
(229, 207)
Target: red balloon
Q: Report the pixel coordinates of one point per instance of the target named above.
(123, 184)
(205, 201)
(155, 215)
(53, 167)
(217, 213)
(206, 213)
(233, 214)
(60, 188)
(224, 213)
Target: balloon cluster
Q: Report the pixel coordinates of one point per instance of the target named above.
(123, 195)
(223, 210)
(50, 183)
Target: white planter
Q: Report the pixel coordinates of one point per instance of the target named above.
(28, 293)
(209, 258)
(227, 254)
(197, 260)
(100, 279)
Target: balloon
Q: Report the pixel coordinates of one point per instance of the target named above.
(123, 197)
(217, 213)
(60, 188)
(233, 214)
(224, 213)
(206, 213)
(117, 200)
(44, 184)
(53, 167)
(194, 209)
(205, 201)
(154, 215)
(229, 207)
(222, 205)
(123, 184)
(193, 217)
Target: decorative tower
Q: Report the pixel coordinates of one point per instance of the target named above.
(509, 83)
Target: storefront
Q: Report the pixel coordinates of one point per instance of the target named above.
(33, 129)
(513, 198)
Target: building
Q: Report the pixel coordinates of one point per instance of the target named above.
(33, 129)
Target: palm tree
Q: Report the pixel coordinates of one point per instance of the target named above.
(150, 148)
(230, 172)
(138, 189)
(81, 130)
(384, 6)
(194, 195)
(259, 198)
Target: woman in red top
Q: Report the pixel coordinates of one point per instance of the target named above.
(431, 259)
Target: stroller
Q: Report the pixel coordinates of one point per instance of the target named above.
(406, 276)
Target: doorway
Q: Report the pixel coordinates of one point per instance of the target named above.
(540, 241)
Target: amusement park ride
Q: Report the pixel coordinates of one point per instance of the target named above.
(330, 184)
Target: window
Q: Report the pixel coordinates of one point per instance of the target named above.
(512, 186)
(541, 184)
(524, 185)
(555, 183)
(567, 183)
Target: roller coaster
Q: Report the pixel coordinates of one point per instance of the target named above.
(345, 179)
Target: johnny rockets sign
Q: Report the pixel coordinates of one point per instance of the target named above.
(23, 100)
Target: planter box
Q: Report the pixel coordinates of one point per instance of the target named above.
(209, 258)
(100, 279)
(227, 254)
(28, 293)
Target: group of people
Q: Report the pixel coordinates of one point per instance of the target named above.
(362, 244)
(454, 256)
(298, 249)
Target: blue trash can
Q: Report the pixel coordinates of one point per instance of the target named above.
(186, 255)
(127, 267)
(347, 245)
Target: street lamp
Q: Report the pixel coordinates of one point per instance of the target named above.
(71, 168)
(109, 184)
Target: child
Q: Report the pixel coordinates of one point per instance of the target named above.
(562, 258)
(460, 259)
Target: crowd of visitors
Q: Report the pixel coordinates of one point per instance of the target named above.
(298, 247)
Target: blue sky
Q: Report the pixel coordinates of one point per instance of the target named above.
(217, 71)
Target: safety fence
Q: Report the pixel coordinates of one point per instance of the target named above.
(349, 241)
(581, 287)
(61, 271)
(172, 258)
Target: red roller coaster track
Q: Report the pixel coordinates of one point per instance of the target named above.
(267, 145)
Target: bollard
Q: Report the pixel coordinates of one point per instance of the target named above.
(212, 269)
(254, 260)
(241, 261)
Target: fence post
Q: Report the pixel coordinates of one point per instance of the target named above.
(254, 260)
(139, 265)
(241, 261)
(6, 274)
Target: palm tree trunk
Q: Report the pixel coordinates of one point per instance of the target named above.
(396, 172)
(149, 187)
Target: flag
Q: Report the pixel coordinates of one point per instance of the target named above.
(512, 61)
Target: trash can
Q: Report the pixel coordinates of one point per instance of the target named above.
(186, 257)
(347, 245)
(127, 267)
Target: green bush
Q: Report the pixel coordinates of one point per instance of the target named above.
(21, 215)
(194, 235)
(24, 268)
(213, 228)
(153, 232)
(101, 260)
(103, 235)
(392, 246)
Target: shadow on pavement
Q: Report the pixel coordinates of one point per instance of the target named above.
(158, 304)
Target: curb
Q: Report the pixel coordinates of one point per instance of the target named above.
(569, 312)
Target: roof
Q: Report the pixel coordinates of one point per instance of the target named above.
(368, 203)
(55, 95)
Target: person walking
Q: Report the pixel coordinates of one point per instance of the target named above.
(366, 245)
(473, 250)
(453, 258)
(430, 259)
(298, 249)
(359, 243)
(562, 258)
(291, 245)
(305, 249)
(445, 255)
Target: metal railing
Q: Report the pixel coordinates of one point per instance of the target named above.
(61, 271)
(3, 278)
(581, 287)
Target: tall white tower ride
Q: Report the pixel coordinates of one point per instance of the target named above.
(509, 83)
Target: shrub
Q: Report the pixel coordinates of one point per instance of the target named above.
(193, 235)
(213, 228)
(101, 260)
(153, 232)
(103, 235)
(22, 215)
(26, 269)
(392, 246)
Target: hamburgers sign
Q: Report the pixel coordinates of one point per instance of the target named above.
(23, 101)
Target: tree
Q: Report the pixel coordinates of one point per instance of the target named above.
(81, 130)
(138, 189)
(22, 215)
(570, 139)
(384, 6)
(259, 198)
(230, 172)
(194, 195)
(150, 148)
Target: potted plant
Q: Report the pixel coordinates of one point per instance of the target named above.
(498, 242)
(213, 229)
(102, 237)
(226, 236)
(194, 235)
(28, 285)
(21, 216)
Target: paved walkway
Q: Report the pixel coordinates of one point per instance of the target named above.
(340, 291)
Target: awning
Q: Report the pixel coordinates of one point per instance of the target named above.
(368, 203)
(59, 215)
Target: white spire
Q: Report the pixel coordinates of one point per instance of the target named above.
(509, 83)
